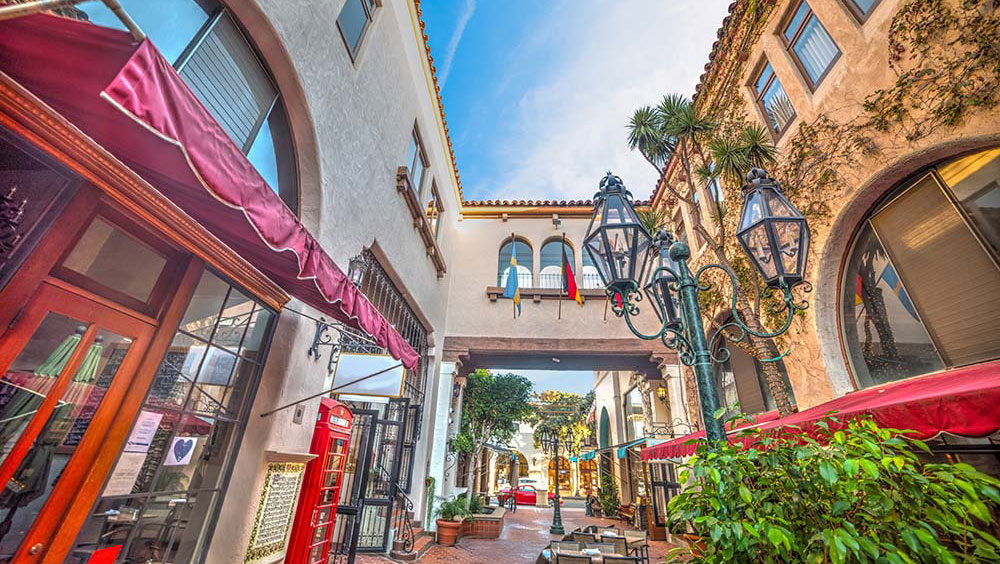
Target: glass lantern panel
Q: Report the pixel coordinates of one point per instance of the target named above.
(759, 247)
(787, 235)
(804, 250)
(779, 206)
(594, 247)
(753, 210)
(615, 210)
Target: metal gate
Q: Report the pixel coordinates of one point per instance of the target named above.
(375, 516)
(346, 525)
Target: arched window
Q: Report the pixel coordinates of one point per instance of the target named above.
(551, 264)
(213, 56)
(524, 263)
(589, 278)
(740, 380)
(604, 433)
(921, 287)
(635, 424)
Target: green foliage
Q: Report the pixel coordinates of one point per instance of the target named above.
(565, 413)
(452, 508)
(475, 505)
(461, 443)
(610, 501)
(859, 494)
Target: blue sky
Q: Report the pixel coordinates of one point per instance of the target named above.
(537, 94)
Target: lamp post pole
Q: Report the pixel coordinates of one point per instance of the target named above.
(557, 526)
(703, 371)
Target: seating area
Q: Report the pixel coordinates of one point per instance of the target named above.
(596, 545)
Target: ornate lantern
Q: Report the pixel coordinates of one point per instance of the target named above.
(661, 392)
(659, 284)
(772, 231)
(356, 268)
(616, 240)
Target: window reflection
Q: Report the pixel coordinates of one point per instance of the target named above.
(171, 24)
(167, 481)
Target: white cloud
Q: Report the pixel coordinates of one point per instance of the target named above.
(456, 38)
(615, 57)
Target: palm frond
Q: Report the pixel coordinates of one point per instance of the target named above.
(646, 136)
(654, 219)
(757, 146)
(729, 157)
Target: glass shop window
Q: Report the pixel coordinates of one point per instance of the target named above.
(922, 284)
(31, 195)
(160, 500)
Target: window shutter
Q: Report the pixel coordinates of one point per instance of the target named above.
(947, 274)
(230, 81)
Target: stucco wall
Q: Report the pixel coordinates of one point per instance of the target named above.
(817, 367)
(356, 118)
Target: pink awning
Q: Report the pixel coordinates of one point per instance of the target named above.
(961, 401)
(133, 103)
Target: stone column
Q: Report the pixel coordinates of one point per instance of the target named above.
(438, 436)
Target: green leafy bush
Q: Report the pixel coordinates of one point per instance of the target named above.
(610, 502)
(475, 505)
(453, 509)
(857, 495)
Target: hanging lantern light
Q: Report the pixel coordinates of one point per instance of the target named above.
(659, 284)
(616, 240)
(772, 231)
(356, 269)
(661, 392)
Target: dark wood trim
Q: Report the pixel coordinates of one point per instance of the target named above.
(539, 294)
(32, 119)
(404, 185)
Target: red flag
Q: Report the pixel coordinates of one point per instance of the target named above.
(569, 281)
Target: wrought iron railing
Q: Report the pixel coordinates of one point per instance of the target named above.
(586, 281)
(402, 520)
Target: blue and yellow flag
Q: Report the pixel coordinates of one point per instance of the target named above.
(511, 290)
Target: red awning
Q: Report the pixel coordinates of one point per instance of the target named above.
(679, 447)
(133, 103)
(962, 401)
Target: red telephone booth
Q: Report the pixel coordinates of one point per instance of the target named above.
(314, 518)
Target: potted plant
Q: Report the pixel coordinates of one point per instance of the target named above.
(450, 516)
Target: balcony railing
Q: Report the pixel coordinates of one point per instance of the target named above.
(588, 281)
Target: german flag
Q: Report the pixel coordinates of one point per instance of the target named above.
(569, 281)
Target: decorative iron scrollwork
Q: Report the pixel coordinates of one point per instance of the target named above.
(11, 214)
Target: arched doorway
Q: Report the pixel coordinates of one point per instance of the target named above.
(504, 471)
(565, 476)
(589, 476)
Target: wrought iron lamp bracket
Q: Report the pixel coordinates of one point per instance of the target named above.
(673, 336)
(738, 330)
(322, 339)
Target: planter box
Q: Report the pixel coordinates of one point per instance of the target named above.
(483, 526)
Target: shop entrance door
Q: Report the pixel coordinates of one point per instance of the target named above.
(383, 476)
(346, 530)
(65, 368)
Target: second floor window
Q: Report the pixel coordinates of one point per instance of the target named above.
(811, 46)
(772, 100)
(434, 210)
(216, 60)
(524, 264)
(353, 22)
(416, 161)
(551, 266)
(862, 8)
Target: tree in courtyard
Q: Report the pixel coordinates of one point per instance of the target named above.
(493, 406)
(565, 414)
(705, 153)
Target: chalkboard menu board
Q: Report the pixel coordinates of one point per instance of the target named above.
(274, 510)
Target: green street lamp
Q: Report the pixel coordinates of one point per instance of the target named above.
(772, 232)
(550, 445)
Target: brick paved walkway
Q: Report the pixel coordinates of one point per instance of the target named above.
(525, 534)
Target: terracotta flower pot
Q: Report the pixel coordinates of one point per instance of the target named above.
(448, 531)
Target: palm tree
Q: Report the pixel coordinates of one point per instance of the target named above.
(675, 128)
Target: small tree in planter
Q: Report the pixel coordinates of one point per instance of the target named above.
(610, 501)
(493, 406)
(859, 494)
(451, 513)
